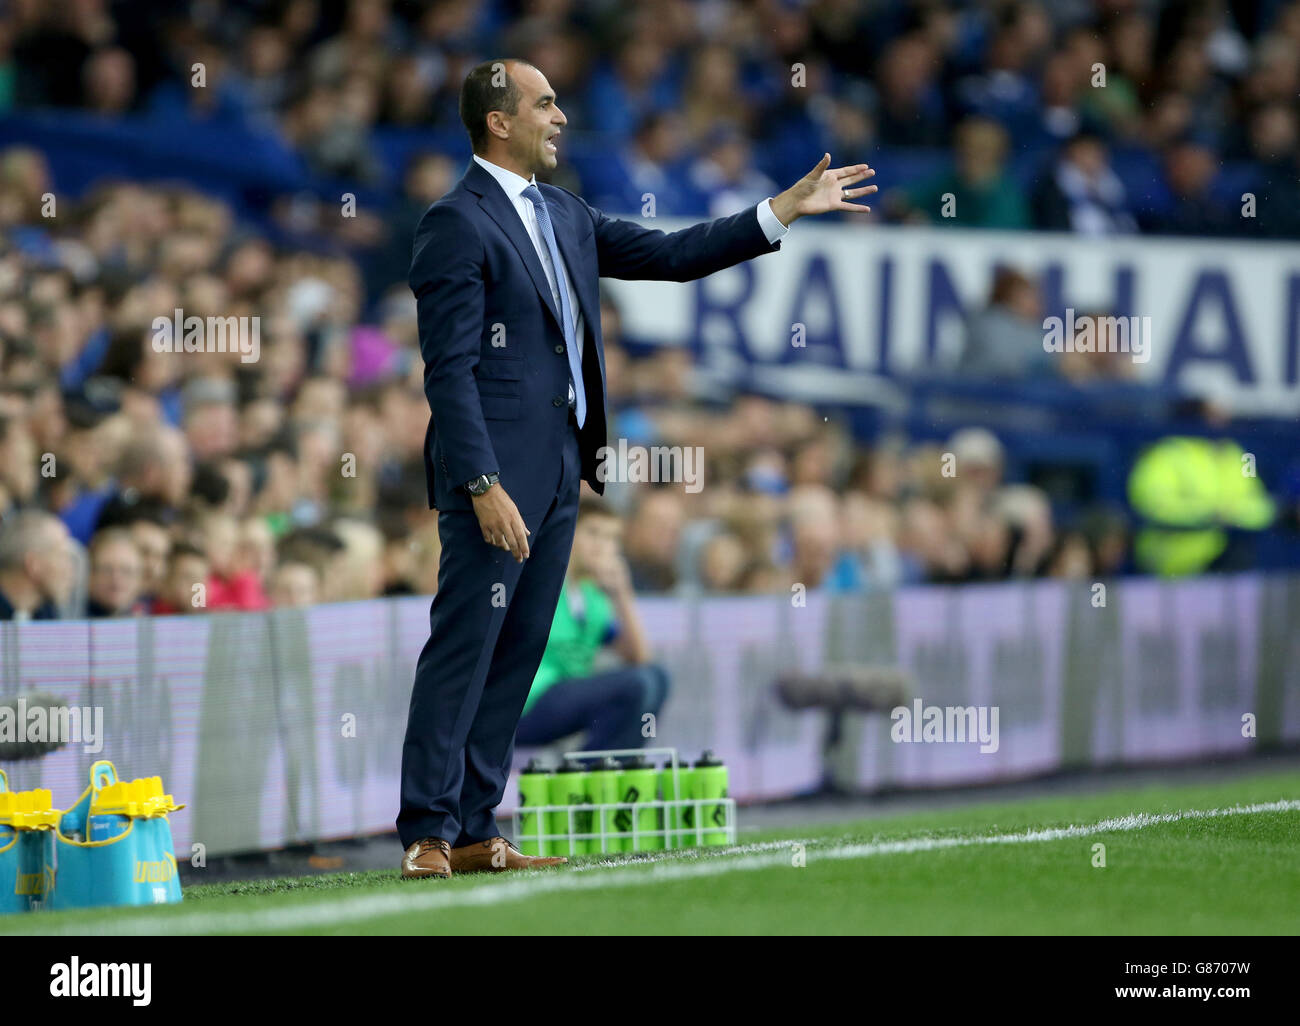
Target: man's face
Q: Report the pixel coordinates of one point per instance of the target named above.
(186, 572)
(52, 568)
(1089, 157)
(18, 463)
(658, 527)
(595, 542)
(221, 540)
(981, 146)
(115, 574)
(535, 125)
(152, 542)
(177, 472)
(294, 584)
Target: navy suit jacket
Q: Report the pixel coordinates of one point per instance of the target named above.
(496, 373)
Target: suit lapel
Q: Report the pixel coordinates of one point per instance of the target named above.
(496, 205)
(493, 200)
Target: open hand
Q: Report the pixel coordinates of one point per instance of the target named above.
(823, 189)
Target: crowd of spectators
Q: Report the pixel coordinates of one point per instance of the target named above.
(708, 104)
(192, 481)
(791, 503)
(286, 480)
(134, 479)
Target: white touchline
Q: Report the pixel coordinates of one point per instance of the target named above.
(427, 897)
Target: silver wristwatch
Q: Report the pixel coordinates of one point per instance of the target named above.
(482, 483)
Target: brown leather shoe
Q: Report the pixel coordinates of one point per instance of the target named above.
(497, 855)
(429, 856)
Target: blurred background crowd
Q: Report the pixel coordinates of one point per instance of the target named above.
(128, 476)
(1096, 116)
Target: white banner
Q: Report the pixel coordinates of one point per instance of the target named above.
(1224, 316)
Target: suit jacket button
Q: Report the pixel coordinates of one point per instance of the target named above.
(560, 350)
(557, 401)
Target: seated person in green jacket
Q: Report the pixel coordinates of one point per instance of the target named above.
(596, 609)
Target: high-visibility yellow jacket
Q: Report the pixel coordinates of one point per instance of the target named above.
(1187, 491)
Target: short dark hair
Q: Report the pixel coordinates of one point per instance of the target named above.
(119, 513)
(185, 550)
(480, 95)
(109, 536)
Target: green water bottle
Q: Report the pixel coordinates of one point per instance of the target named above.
(534, 791)
(569, 788)
(637, 784)
(603, 788)
(677, 816)
(710, 781)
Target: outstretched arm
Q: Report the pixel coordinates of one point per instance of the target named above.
(627, 250)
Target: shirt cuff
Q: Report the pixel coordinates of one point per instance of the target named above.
(771, 225)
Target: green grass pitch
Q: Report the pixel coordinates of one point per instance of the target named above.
(1218, 859)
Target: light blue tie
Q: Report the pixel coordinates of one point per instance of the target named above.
(534, 195)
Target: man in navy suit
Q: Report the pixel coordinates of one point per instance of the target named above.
(505, 271)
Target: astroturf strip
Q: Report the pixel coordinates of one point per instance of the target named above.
(426, 896)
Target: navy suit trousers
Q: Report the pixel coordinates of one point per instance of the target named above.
(488, 628)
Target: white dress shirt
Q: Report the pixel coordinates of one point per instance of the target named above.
(514, 187)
